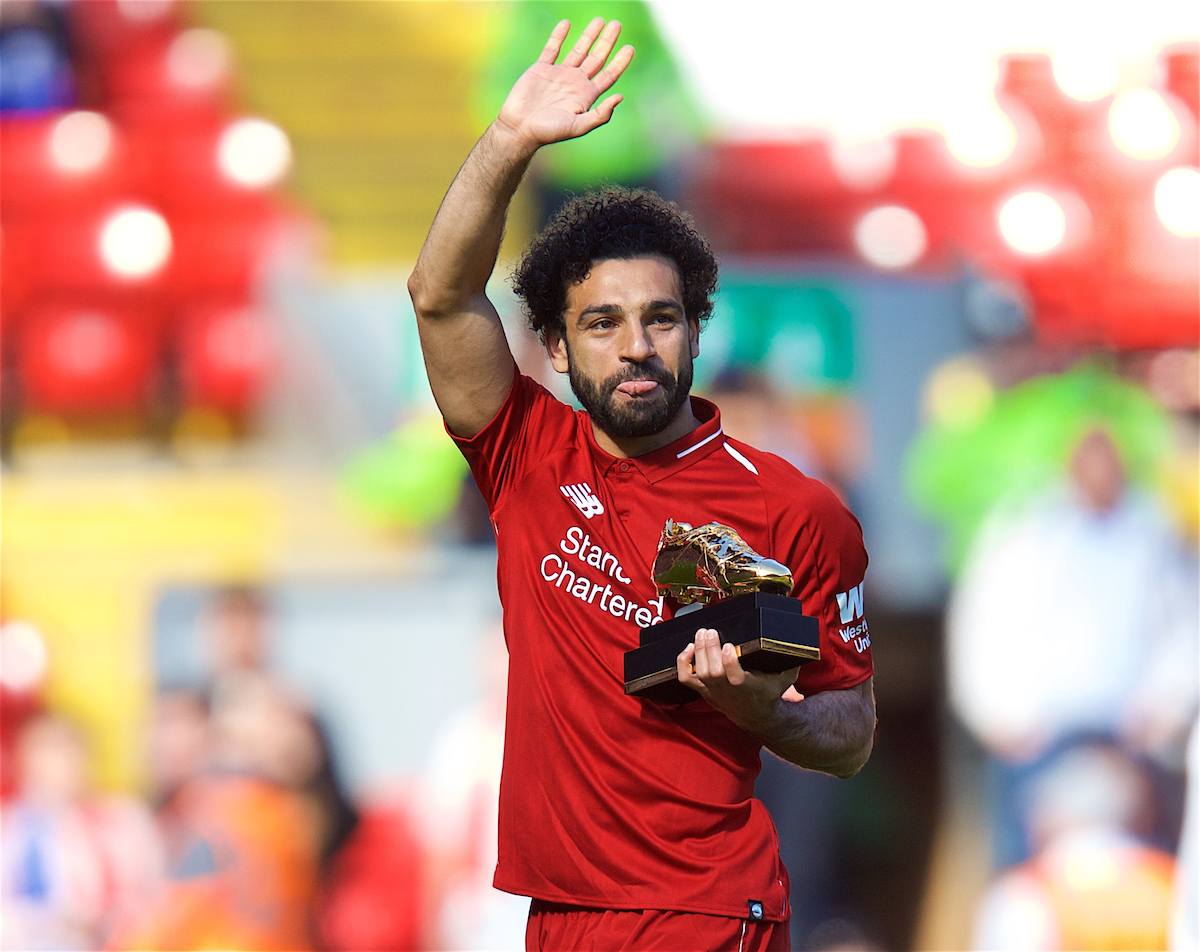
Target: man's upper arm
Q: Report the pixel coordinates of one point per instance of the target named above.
(824, 547)
(468, 361)
(866, 694)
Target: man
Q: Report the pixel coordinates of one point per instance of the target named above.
(631, 824)
(1091, 571)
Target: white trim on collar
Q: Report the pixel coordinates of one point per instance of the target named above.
(696, 446)
(741, 459)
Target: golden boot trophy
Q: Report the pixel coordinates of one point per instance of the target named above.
(726, 586)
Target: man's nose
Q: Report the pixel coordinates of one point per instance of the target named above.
(636, 345)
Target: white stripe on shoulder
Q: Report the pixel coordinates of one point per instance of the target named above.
(696, 446)
(741, 459)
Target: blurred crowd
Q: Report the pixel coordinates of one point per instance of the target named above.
(246, 837)
(1073, 660)
(1073, 642)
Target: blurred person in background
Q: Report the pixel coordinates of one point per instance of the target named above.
(180, 741)
(72, 862)
(629, 823)
(1093, 882)
(245, 831)
(1074, 614)
(267, 731)
(287, 741)
(367, 891)
(460, 814)
(237, 632)
(23, 664)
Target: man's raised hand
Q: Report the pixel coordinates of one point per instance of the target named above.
(554, 101)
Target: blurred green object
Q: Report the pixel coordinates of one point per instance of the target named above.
(796, 331)
(411, 479)
(957, 474)
(658, 119)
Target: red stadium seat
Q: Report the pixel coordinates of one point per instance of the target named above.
(118, 252)
(80, 360)
(62, 161)
(226, 354)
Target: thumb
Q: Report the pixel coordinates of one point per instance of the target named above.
(599, 115)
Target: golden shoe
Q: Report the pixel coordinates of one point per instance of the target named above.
(712, 562)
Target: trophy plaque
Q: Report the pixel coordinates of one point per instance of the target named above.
(744, 597)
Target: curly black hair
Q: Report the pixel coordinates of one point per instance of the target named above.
(613, 223)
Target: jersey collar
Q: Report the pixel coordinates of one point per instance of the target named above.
(667, 460)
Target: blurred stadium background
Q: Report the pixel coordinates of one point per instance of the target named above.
(250, 681)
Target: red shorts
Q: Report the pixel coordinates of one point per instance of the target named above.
(558, 928)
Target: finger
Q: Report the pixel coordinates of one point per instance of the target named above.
(702, 661)
(698, 659)
(554, 45)
(612, 72)
(734, 672)
(581, 47)
(713, 654)
(683, 667)
(599, 54)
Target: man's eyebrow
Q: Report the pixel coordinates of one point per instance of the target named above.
(666, 304)
(599, 309)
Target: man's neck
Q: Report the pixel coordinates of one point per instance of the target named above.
(626, 447)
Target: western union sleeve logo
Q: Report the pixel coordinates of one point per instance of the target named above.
(850, 604)
(850, 610)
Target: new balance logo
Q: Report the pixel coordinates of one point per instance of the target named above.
(850, 604)
(584, 499)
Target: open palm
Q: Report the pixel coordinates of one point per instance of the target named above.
(556, 101)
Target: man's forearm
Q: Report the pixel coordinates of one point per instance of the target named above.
(460, 251)
(832, 732)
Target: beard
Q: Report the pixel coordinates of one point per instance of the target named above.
(639, 416)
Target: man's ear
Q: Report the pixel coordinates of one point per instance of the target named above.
(694, 337)
(556, 349)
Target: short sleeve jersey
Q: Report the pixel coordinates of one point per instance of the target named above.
(613, 801)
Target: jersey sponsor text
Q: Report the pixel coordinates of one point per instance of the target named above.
(555, 569)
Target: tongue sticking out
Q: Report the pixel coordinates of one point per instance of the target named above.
(635, 388)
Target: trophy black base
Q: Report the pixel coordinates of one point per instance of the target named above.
(770, 633)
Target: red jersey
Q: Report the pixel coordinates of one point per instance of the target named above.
(614, 801)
